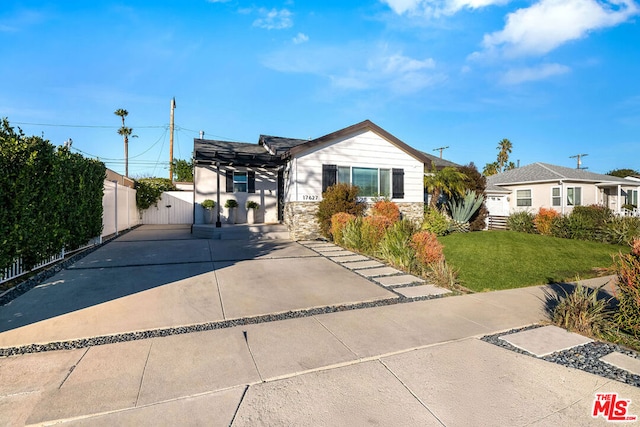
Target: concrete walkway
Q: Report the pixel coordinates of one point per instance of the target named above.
(415, 363)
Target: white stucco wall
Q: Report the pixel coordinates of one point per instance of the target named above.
(367, 149)
(265, 195)
(541, 196)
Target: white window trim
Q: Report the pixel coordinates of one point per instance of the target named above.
(559, 187)
(529, 198)
(567, 188)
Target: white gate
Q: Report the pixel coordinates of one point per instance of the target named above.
(174, 207)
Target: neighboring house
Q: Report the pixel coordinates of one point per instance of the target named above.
(541, 185)
(288, 176)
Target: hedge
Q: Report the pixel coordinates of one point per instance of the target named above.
(50, 198)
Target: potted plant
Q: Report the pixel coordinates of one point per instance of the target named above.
(231, 204)
(252, 211)
(208, 206)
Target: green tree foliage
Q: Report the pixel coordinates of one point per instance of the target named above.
(182, 170)
(149, 191)
(502, 163)
(623, 173)
(49, 198)
(449, 181)
(338, 198)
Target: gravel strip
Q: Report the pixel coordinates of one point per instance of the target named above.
(584, 357)
(165, 332)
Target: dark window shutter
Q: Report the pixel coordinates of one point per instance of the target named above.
(251, 181)
(229, 181)
(397, 184)
(329, 176)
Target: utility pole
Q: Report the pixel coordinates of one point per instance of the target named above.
(173, 107)
(441, 149)
(579, 157)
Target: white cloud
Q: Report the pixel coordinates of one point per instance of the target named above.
(274, 19)
(349, 68)
(436, 8)
(548, 24)
(528, 74)
(300, 38)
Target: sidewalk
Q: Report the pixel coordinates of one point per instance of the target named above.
(416, 363)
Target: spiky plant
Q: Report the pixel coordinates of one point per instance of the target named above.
(462, 209)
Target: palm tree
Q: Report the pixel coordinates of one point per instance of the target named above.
(125, 132)
(505, 146)
(448, 180)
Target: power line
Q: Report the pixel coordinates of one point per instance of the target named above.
(82, 126)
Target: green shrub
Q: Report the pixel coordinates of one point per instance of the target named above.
(621, 230)
(521, 222)
(561, 227)
(338, 198)
(231, 203)
(443, 274)
(49, 198)
(462, 209)
(581, 311)
(435, 222)
(395, 247)
(253, 205)
(208, 204)
(372, 231)
(149, 191)
(627, 316)
(338, 222)
(352, 236)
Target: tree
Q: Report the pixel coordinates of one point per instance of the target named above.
(623, 173)
(125, 132)
(447, 180)
(502, 163)
(182, 170)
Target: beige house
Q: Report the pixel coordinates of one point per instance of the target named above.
(541, 185)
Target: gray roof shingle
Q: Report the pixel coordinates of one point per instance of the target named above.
(543, 172)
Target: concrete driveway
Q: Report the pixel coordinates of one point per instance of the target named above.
(159, 277)
(413, 364)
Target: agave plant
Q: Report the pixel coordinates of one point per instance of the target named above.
(462, 209)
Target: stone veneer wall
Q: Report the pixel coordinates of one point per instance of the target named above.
(300, 218)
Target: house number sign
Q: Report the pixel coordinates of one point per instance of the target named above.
(309, 197)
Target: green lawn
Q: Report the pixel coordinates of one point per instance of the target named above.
(491, 260)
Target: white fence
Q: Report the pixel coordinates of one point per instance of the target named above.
(119, 208)
(17, 269)
(174, 207)
(626, 212)
(119, 213)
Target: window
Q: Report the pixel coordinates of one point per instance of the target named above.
(574, 196)
(239, 182)
(632, 198)
(372, 182)
(556, 199)
(523, 198)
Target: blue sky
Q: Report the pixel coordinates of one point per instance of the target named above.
(556, 77)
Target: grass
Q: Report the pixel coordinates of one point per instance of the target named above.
(493, 260)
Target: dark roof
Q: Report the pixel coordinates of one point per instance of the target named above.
(278, 145)
(438, 162)
(357, 128)
(233, 153)
(273, 150)
(544, 172)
